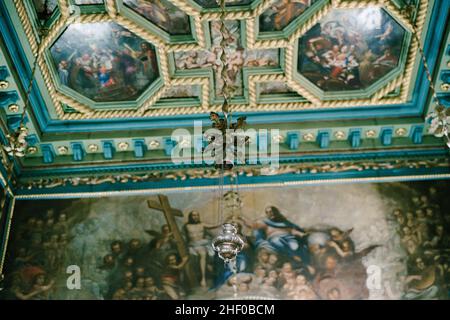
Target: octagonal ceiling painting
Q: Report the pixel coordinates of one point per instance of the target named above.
(163, 14)
(350, 49)
(104, 61)
(282, 13)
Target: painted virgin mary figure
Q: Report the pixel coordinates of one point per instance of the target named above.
(277, 234)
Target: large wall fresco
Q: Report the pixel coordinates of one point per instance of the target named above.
(104, 61)
(356, 241)
(350, 49)
(163, 14)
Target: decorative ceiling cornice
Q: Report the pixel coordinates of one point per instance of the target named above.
(305, 171)
(296, 169)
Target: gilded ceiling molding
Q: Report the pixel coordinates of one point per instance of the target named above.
(414, 50)
(209, 173)
(388, 88)
(402, 81)
(252, 81)
(26, 23)
(202, 82)
(95, 194)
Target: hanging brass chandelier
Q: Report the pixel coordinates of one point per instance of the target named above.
(228, 243)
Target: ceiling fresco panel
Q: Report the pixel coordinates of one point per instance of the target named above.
(273, 87)
(350, 49)
(104, 61)
(163, 14)
(182, 91)
(335, 55)
(240, 57)
(87, 2)
(229, 3)
(45, 9)
(281, 13)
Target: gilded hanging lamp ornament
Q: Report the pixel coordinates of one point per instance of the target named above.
(228, 243)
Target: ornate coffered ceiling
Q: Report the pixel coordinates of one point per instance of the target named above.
(326, 54)
(115, 77)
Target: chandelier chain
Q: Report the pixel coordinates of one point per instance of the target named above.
(228, 243)
(30, 87)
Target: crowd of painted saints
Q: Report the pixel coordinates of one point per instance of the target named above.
(104, 61)
(40, 251)
(350, 49)
(424, 238)
(280, 259)
(284, 259)
(277, 259)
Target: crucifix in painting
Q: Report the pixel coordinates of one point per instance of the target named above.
(170, 214)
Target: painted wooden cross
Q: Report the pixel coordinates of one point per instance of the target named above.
(170, 214)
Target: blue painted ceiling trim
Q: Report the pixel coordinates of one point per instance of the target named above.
(326, 157)
(22, 66)
(414, 108)
(393, 175)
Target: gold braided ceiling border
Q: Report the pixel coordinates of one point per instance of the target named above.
(402, 81)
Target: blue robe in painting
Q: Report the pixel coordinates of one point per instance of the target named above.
(285, 244)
